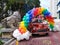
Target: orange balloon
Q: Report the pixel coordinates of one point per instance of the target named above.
(41, 10)
(51, 23)
(22, 30)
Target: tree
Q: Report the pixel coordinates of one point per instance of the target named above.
(28, 5)
(3, 11)
(23, 5)
(1, 43)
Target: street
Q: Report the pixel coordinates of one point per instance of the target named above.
(52, 39)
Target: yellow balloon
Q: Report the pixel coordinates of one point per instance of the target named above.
(21, 24)
(24, 28)
(42, 9)
(51, 23)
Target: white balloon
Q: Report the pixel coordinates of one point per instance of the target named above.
(57, 25)
(20, 36)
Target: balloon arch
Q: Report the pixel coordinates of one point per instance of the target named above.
(32, 13)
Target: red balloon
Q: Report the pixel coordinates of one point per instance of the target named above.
(36, 12)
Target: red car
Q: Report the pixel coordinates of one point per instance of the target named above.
(38, 27)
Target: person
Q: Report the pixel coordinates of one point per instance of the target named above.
(40, 18)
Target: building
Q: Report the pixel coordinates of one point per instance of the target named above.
(58, 7)
(51, 5)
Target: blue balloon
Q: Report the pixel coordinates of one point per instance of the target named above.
(27, 18)
(27, 14)
(30, 18)
(28, 21)
(31, 15)
(46, 12)
(29, 11)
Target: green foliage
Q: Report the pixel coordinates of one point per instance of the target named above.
(0, 10)
(19, 4)
(33, 3)
(1, 43)
(11, 1)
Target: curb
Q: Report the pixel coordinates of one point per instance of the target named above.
(8, 42)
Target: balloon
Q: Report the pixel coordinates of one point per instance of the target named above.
(21, 24)
(35, 12)
(41, 8)
(37, 9)
(26, 25)
(22, 30)
(31, 14)
(27, 15)
(49, 17)
(46, 13)
(24, 18)
(51, 26)
(29, 11)
(30, 18)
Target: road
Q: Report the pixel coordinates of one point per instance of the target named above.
(52, 39)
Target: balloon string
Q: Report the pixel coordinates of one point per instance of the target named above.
(17, 42)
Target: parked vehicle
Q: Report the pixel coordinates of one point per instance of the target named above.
(39, 27)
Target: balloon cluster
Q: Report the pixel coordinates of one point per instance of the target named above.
(32, 13)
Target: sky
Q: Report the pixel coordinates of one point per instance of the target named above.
(45, 3)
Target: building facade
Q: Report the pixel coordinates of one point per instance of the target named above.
(58, 7)
(52, 6)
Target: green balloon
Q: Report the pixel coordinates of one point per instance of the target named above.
(44, 11)
(25, 22)
(24, 18)
(51, 26)
(26, 25)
